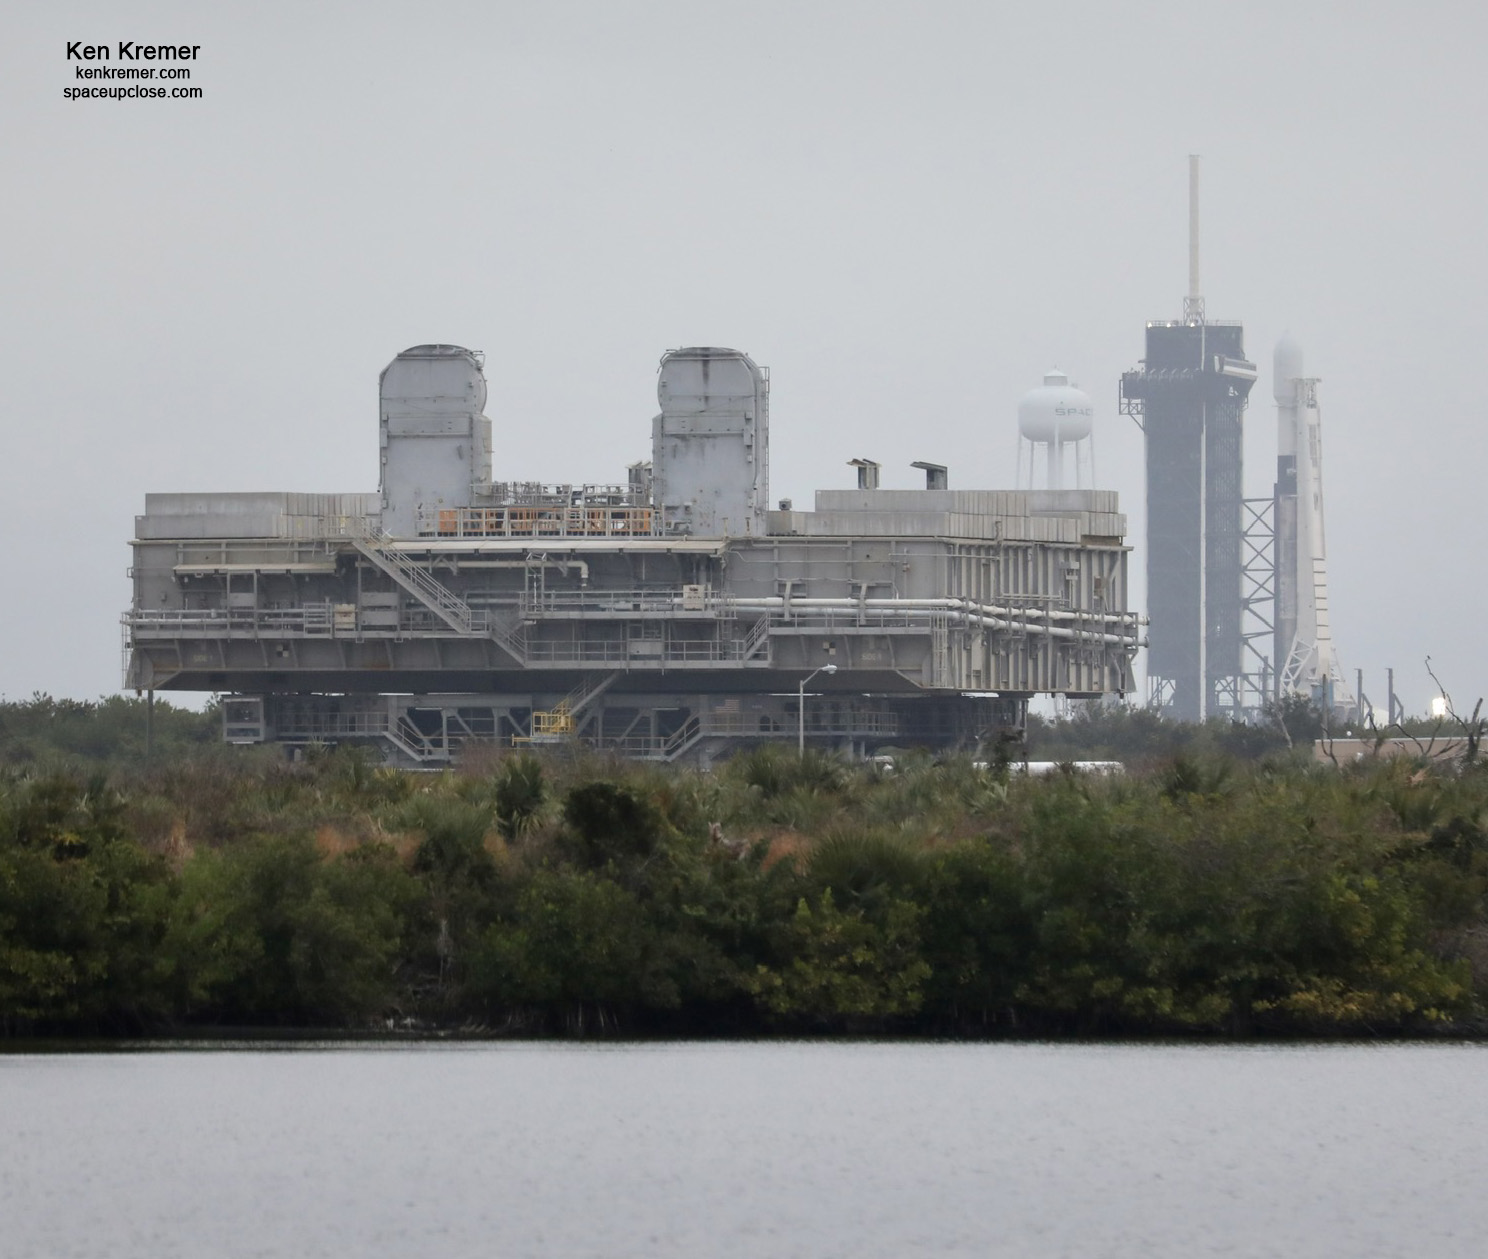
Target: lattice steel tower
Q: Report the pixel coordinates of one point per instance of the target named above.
(1189, 397)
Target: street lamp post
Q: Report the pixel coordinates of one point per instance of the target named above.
(801, 709)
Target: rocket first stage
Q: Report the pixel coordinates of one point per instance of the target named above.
(1304, 638)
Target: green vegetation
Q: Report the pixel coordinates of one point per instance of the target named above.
(105, 733)
(1227, 889)
(1140, 738)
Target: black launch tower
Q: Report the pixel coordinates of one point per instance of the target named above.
(1189, 396)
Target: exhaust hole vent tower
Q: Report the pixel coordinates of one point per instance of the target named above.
(710, 444)
(435, 439)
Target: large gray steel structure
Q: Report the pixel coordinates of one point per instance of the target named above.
(1189, 395)
(669, 617)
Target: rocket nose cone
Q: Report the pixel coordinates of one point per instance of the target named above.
(1286, 366)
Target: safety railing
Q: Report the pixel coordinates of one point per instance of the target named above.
(309, 620)
(538, 520)
(294, 725)
(640, 652)
(619, 603)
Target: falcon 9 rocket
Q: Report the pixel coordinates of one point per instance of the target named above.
(1304, 638)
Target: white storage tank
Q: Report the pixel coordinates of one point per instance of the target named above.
(1055, 416)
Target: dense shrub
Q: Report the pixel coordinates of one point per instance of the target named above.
(610, 822)
(271, 932)
(1212, 892)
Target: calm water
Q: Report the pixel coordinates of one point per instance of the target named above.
(749, 1150)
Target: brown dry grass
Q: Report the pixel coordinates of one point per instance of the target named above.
(333, 841)
(789, 846)
(176, 848)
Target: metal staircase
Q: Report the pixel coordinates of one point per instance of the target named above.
(415, 745)
(513, 641)
(375, 544)
(587, 691)
(755, 640)
(683, 741)
(558, 722)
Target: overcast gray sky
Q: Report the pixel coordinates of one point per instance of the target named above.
(908, 212)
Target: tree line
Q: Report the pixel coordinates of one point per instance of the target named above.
(1205, 892)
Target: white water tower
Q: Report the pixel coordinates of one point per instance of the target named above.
(1054, 419)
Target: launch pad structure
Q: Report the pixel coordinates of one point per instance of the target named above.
(1236, 587)
(674, 616)
(1189, 395)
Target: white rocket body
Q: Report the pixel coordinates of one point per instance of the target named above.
(1308, 663)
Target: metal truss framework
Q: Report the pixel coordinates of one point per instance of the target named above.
(1245, 696)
